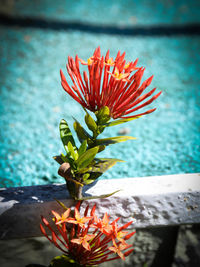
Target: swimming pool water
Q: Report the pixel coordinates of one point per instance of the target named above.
(33, 103)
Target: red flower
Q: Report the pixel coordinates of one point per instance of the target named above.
(118, 234)
(103, 225)
(78, 219)
(118, 249)
(84, 241)
(88, 249)
(119, 89)
(63, 217)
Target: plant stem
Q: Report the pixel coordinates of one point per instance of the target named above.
(78, 191)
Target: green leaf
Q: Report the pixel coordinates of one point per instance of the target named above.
(103, 115)
(66, 135)
(63, 261)
(59, 159)
(86, 176)
(86, 158)
(101, 148)
(61, 204)
(87, 169)
(64, 158)
(89, 181)
(101, 165)
(91, 124)
(101, 196)
(72, 152)
(117, 122)
(82, 148)
(113, 140)
(81, 132)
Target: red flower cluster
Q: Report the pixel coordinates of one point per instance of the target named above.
(84, 246)
(119, 89)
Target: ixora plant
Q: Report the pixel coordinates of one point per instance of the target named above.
(111, 91)
(85, 241)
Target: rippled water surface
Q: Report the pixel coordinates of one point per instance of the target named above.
(33, 102)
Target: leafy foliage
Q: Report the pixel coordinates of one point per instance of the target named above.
(66, 135)
(85, 167)
(82, 134)
(91, 124)
(103, 115)
(113, 140)
(63, 261)
(117, 122)
(86, 158)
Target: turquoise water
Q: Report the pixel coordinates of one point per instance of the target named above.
(33, 102)
(124, 13)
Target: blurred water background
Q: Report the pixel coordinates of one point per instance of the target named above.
(35, 39)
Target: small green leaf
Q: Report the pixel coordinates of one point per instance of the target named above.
(66, 135)
(86, 176)
(72, 152)
(89, 181)
(117, 122)
(86, 158)
(58, 159)
(104, 111)
(63, 261)
(81, 132)
(84, 170)
(61, 204)
(63, 157)
(101, 148)
(82, 148)
(91, 124)
(103, 115)
(101, 165)
(101, 196)
(74, 181)
(113, 140)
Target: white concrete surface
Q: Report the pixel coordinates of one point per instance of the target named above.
(150, 201)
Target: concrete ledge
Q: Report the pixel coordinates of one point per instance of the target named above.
(152, 201)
